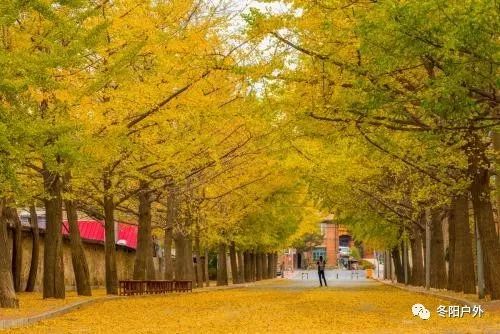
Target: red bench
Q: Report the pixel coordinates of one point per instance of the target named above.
(142, 287)
(183, 286)
(150, 287)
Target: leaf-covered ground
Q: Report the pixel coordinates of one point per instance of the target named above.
(32, 303)
(282, 307)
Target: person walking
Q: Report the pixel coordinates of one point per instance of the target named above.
(321, 270)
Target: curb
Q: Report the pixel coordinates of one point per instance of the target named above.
(429, 293)
(21, 322)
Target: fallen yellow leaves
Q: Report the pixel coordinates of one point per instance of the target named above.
(284, 308)
(32, 303)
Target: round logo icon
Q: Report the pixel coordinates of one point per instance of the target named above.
(421, 311)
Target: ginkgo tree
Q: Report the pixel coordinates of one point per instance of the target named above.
(43, 45)
(165, 77)
(399, 77)
(165, 113)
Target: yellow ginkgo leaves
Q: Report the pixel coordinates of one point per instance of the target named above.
(271, 307)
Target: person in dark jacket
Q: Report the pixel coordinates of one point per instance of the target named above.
(321, 270)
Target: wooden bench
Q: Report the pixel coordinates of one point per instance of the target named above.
(131, 288)
(183, 286)
(159, 287)
(141, 287)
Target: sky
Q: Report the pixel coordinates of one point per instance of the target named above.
(275, 7)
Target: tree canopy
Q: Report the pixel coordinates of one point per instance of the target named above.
(210, 123)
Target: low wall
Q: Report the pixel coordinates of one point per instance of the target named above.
(95, 259)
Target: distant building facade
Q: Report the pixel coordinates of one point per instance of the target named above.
(337, 243)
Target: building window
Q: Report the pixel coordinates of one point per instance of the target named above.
(344, 240)
(319, 251)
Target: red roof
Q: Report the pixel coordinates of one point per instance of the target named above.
(128, 233)
(93, 230)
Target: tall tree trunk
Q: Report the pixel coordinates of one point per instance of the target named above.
(222, 265)
(496, 146)
(202, 267)
(234, 265)
(258, 260)
(417, 268)
(35, 250)
(78, 258)
(263, 260)
(247, 262)
(464, 247)
(388, 265)
(189, 259)
(387, 259)
(150, 264)
(53, 265)
(168, 273)
(438, 266)
(111, 271)
(275, 264)
(207, 278)
(404, 249)
(144, 237)
(264, 266)
(17, 248)
(398, 265)
(463, 261)
(250, 267)
(241, 267)
(253, 261)
(390, 271)
(452, 279)
(427, 248)
(483, 212)
(269, 265)
(180, 249)
(7, 293)
(198, 265)
(272, 265)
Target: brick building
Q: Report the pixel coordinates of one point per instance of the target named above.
(337, 241)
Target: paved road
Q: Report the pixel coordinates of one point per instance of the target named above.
(286, 284)
(331, 275)
(307, 279)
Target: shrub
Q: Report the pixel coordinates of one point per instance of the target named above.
(364, 264)
(355, 253)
